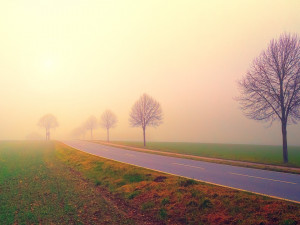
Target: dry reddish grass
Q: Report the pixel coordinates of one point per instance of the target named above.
(174, 200)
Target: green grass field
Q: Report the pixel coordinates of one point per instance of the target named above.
(250, 153)
(50, 183)
(36, 188)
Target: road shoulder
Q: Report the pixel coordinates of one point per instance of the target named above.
(284, 169)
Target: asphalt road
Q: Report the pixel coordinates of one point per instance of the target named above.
(276, 184)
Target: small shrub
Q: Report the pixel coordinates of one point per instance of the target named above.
(206, 204)
(182, 220)
(235, 210)
(192, 204)
(291, 207)
(134, 194)
(186, 183)
(98, 166)
(215, 195)
(69, 209)
(160, 179)
(179, 196)
(165, 201)
(121, 183)
(195, 193)
(163, 214)
(30, 217)
(98, 182)
(133, 177)
(147, 205)
(288, 222)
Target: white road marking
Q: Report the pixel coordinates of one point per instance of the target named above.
(129, 154)
(198, 167)
(282, 181)
(178, 175)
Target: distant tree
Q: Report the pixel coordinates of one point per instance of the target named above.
(78, 132)
(108, 120)
(91, 124)
(48, 122)
(271, 88)
(146, 112)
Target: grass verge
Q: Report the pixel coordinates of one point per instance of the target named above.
(175, 200)
(50, 183)
(232, 157)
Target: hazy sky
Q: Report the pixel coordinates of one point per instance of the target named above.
(76, 58)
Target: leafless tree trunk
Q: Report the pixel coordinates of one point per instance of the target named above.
(271, 88)
(107, 131)
(144, 135)
(146, 112)
(48, 121)
(91, 124)
(108, 120)
(284, 143)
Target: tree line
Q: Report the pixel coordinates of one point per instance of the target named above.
(269, 91)
(146, 112)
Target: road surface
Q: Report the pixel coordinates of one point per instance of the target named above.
(274, 184)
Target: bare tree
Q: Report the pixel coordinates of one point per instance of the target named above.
(91, 124)
(48, 121)
(146, 112)
(108, 120)
(271, 88)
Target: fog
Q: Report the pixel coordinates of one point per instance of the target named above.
(78, 58)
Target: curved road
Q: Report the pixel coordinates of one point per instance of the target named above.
(274, 184)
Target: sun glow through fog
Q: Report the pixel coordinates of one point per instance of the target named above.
(78, 58)
(48, 63)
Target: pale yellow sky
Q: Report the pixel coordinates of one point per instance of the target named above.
(77, 58)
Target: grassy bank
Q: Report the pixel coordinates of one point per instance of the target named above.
(44, 183)
(266, 154)
(174, 200)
